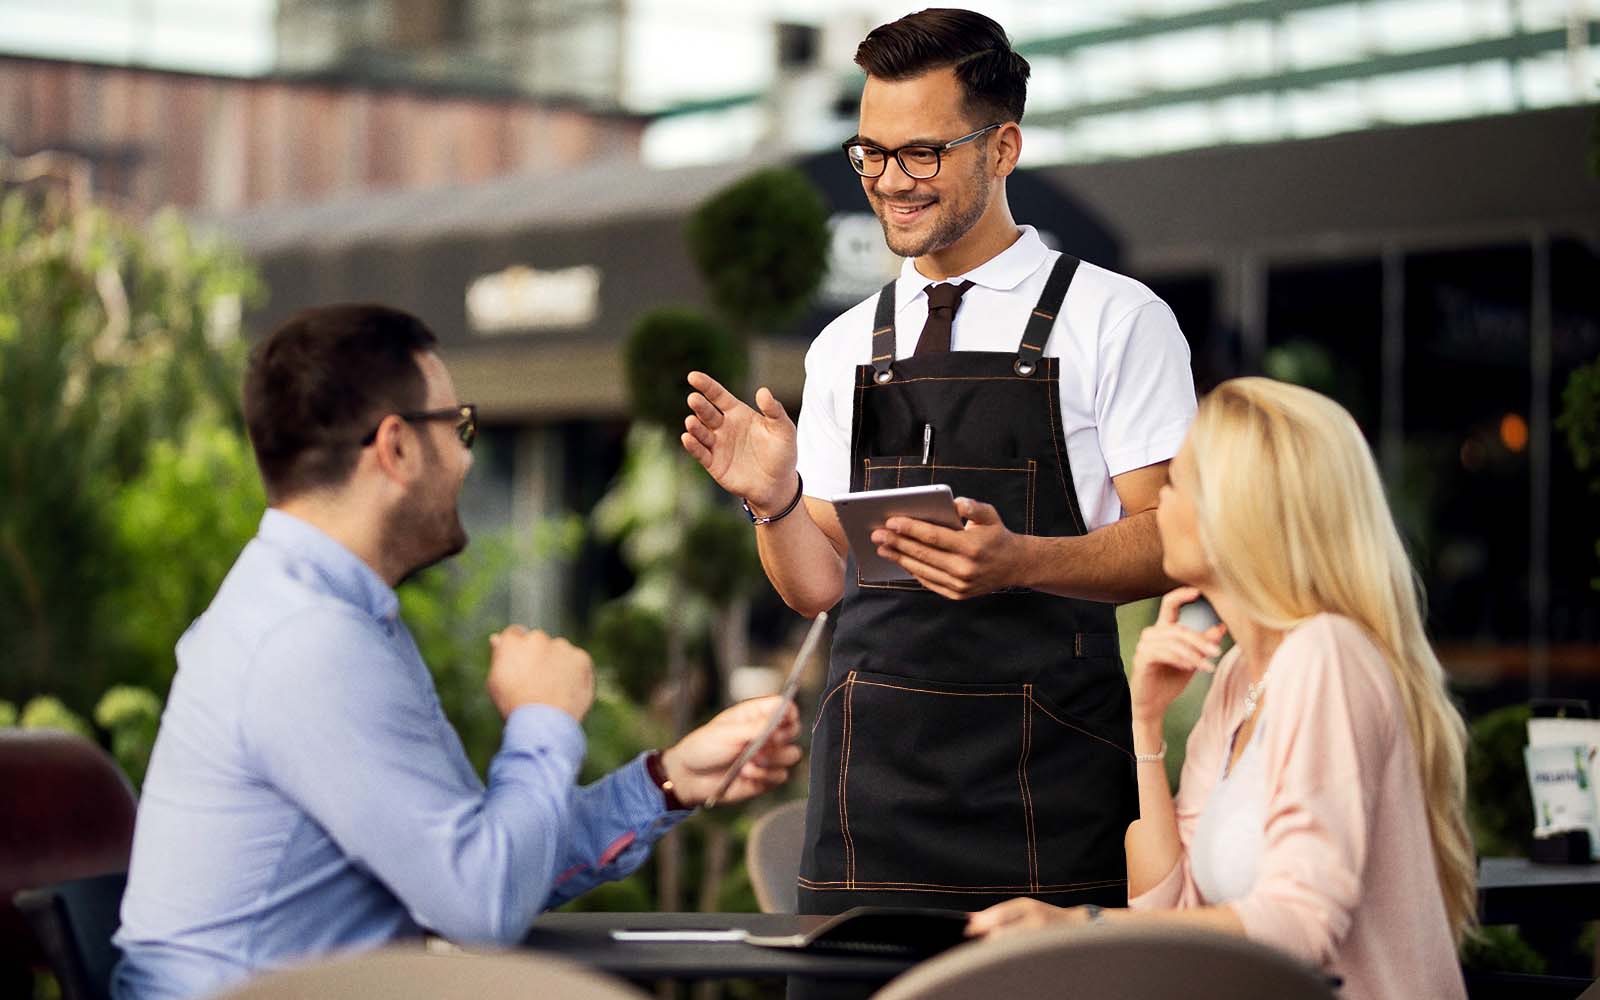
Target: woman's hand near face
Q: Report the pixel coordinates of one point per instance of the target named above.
(1167, 657)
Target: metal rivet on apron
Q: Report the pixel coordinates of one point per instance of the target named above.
(1022, 368)
(883, 376)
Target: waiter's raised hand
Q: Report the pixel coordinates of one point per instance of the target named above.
(750, 452)
(979, 558)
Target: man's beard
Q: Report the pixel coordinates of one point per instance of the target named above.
(426, 539)
(947, 229)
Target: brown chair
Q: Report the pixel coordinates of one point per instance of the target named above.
(414, 973)
(68, 815)
(1112, 963)
(772, 856)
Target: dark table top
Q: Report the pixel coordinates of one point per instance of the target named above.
(586, 938)
(1510, 891)
(1516, 890)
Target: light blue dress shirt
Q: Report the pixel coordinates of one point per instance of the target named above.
(307, 795)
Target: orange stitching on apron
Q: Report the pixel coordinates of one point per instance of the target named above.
(844, 781)
(882, 330)
(1032, 347)
(960, 378)
(1068, 489)
(855, 417)
(818, 720)
(1080, 729)
(993, 888)
(937, 887)
(882, 357)
(1042, 315)
(1033, 489)
(948, 694)
(1027, 797)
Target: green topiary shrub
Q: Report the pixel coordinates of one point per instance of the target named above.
(668, 344)
(762, 246)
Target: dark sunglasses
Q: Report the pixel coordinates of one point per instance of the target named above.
(465, 416)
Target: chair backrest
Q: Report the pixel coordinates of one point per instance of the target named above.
(69, 815)
(1112, 963)
(73, 923)
(772, 856)
(413, 973)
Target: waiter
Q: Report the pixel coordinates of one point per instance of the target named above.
(973, 743)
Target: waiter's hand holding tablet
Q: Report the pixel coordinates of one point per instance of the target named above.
(860, 514)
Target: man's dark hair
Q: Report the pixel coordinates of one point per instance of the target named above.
(322, 381)
(994, 79)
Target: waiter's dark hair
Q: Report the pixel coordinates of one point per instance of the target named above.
(993, 77)
(323, 380)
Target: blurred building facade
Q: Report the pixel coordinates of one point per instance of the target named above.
(216, 144)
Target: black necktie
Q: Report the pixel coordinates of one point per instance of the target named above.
(942, 302)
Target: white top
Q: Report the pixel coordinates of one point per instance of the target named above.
(1226, 851)
(1127, 394)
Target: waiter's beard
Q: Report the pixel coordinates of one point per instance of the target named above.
(952, 219)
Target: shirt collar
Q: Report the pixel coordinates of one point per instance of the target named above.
(345, 575)
(1002, 272)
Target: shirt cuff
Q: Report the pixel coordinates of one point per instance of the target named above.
(531, 727)
(644, 797)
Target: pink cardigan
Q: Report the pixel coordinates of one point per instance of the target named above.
(1346, 878)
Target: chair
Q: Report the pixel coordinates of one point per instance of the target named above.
(69, 815)
(413, 973)
(73, 923)
(1112, 963)
(772, 856)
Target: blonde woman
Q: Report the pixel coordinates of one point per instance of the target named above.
(1321, 803)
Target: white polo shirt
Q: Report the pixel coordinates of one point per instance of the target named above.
(1127, 393)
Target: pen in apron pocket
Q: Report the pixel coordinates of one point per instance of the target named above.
(927, 442)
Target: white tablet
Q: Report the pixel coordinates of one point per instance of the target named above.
(791, 687)
(861, 514)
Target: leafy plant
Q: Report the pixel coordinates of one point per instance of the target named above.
(1497, 782)
(664, 347)
(113, 336)
(1580, 421)
(132, 715)
(762, 246)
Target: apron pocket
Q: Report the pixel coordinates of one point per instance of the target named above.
(1009, 485)
(1084, 794)
(928, 785)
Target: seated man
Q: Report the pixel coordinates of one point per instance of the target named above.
(306, 793)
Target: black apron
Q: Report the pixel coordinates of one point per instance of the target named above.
(966, 752)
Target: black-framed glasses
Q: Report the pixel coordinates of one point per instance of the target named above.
(919, 161)
(465, 415)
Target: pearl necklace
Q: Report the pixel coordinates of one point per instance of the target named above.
(1252, 695)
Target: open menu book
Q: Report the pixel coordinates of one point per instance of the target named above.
(885, 930)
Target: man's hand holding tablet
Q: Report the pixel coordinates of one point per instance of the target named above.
(861, 514)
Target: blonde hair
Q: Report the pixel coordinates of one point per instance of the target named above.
(1274, 456)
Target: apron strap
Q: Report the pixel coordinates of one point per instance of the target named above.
(883, 336)
(1043, 319)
